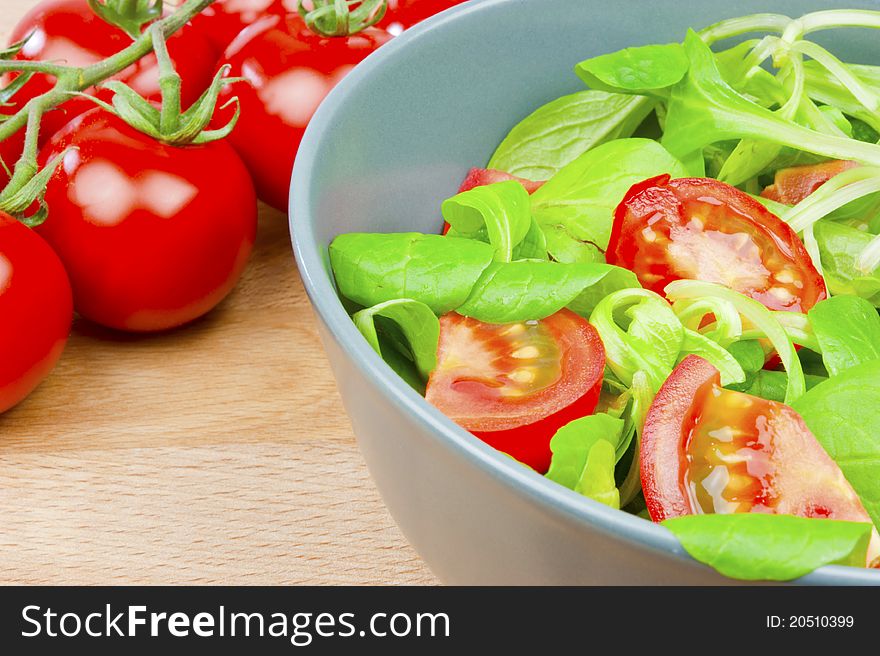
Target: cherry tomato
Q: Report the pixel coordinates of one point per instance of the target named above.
(291, 70)
(703, 229)
(791, 186)
(152, 235)
(69, 32)
(705, 449)
(515, 385)
(36, 310)
(403, 14)
(222, 21)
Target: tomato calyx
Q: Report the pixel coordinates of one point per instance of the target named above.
(27, 182)
(167, 123)
(128, 15)
(336, 18)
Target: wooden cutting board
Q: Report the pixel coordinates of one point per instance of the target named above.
(218, 453)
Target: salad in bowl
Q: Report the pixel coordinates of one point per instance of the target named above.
(661, 292)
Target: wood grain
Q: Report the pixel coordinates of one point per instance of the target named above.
(219, 453)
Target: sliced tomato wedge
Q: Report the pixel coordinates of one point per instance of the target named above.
(514, 385)
(703, 229)
(481, 177)
(792, 185)
(705, 449)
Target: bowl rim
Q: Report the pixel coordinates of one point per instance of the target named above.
(321, 291)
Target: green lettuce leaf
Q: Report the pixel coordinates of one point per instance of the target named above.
(557, 133)
(756, 546)
(646, 70)
(841, 413)
(524, 290)
(438, 271)
(413, 329)
(848, 330)
(577, 204)
(501, 209)
(579, 465)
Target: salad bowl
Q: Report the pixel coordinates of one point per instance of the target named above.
(391, 142)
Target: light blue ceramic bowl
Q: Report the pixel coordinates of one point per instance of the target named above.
(392, 141)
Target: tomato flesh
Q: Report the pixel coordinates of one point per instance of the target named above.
(705, 449)
(792, 185)
(514, 385)
(701, 229)
(480, 177)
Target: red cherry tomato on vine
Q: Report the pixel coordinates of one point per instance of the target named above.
(403, 14)
(290, 69)
(152, 235)
(222, 21)
(36, 310)
(703, 229)
(515, 385)
(69, 32)
(705, 449)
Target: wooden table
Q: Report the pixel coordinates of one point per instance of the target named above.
(218, 453)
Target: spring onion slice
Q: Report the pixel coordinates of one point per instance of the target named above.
(762, 318)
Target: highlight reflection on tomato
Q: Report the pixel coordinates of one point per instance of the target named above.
(152, 235)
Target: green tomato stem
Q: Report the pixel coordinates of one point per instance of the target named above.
(169, 83)
(336, 18)
(26, 184)
(128, 15)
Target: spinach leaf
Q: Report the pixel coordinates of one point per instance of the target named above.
(771, 385)
(840, 247)
(755, 546)
(572, 446)
(534, 244)
(417, 324)
(646, 70)
(438, 271)
(738, 69)
(525, 290)
(565, 247)
(597, 480)
(704, 109)
(502, 209)
(750, 355)
(841, 413)
(582, 196)
(823, 87)
(561, 130)
(402, 364)
(848, 330)
(695, 343)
